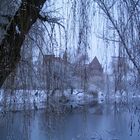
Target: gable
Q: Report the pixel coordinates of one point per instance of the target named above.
(95, 64)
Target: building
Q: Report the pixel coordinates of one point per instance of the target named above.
(59, 73)
(55, 71)
(95, 68)
(119, 72)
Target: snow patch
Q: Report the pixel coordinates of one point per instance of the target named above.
(17, 30)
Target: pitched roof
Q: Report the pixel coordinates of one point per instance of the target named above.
(95, 64)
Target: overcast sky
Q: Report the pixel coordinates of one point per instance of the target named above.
(104, 51)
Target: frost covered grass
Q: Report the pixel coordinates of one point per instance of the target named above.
(37, 99)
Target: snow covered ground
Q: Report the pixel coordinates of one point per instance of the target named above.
(37, 99)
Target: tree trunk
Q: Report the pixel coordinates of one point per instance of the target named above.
(17, 29)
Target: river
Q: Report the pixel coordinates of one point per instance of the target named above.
(106, 121)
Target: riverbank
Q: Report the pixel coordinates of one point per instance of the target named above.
(38, 99)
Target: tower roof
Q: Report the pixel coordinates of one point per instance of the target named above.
(95, 64)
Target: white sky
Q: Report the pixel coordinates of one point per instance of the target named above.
(98, 48)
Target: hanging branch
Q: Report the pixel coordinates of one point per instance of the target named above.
(105, 9)
(16, 32)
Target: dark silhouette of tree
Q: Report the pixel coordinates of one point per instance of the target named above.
(16, 31)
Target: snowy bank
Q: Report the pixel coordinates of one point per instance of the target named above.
(37, 99)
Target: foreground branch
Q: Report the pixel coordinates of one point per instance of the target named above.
(105, 9)
(16, 31)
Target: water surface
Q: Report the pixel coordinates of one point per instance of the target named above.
(95, 122)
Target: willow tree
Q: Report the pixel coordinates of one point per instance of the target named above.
(124, 19)
(16, 29)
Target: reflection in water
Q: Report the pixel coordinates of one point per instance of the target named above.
(100, 122)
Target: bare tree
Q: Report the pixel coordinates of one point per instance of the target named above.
(124, 17)
(16, 31)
